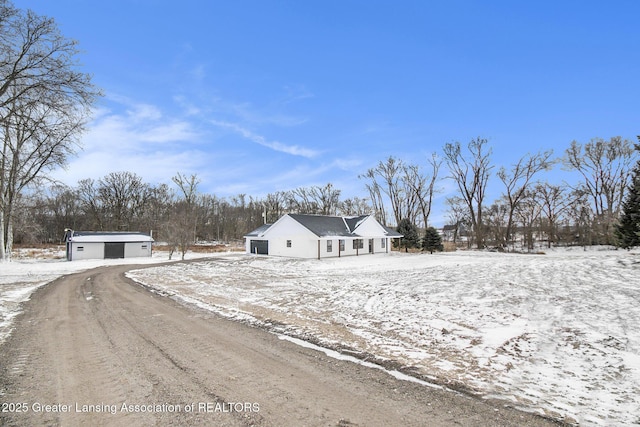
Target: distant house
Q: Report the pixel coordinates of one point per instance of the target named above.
(106, 245)
(319, 236)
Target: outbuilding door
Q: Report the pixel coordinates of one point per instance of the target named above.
(113, 250)
(260, 247)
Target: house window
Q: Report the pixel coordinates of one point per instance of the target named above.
(358, 244)
(288, 243)
(384, 243)
(329, 245)
(80, 248)
(144, 246)
(341, 243)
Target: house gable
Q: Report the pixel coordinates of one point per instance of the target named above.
(319, 236)
(368, 226)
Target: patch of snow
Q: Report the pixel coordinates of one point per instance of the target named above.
(555, 333)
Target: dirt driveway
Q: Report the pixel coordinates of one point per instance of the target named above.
(94, 348)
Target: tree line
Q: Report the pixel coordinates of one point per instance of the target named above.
(179, 214)
(45, 105)
(528, 210)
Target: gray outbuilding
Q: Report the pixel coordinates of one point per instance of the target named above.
(107, 244)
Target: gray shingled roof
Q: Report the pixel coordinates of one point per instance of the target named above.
(327, 226)
(322, 225)
(391, 232)
(259, 231)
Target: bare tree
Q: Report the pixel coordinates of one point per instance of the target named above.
(355, 206)
(579, 215)
(326, 198)
(274, 205)
(390, 174)
(123, 196)
(471, 175)
(605, 167)
(420, 188)
(44, 105)
(458, 215)
(518, 182)
(554, 202)
(375, 195)
(408, 190)
(182, 227)
(301, 200)
(528, 211)
(496, 219)
(90, 203)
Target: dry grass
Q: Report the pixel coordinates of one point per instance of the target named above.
(38, 251)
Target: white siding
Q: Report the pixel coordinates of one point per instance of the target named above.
(288, 237)
(95, 250)
(304, 243)
(137, 249)
(87, 250)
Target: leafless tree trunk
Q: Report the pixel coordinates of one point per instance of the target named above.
(471, 175)
(355, 206)
(605, 167)
(528, 210)
(496, 218)
(123, 196)
(326, 198)
(553, 202)
(421, 188)
(90, 203)
(275, 205)
(44, 105)
(518, 182)
(376, 198)
(458, 215)
(184, 219)
(391, 174)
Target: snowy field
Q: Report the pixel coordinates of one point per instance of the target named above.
(556, 334)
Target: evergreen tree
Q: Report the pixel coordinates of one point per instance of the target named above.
(432, 240)
(411, 238)
(628, 229)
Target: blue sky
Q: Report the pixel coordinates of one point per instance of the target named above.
(261, 96)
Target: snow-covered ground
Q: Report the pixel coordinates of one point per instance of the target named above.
(555, 333)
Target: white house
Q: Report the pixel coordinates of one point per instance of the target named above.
(106, 245)
(319, 236)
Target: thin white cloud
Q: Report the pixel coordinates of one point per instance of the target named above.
(294, 150)
(247, 113)
(135, 137)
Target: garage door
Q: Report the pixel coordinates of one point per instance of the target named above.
(113, 250)
(260, 247)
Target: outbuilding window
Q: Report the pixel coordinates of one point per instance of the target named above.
(288, 243)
